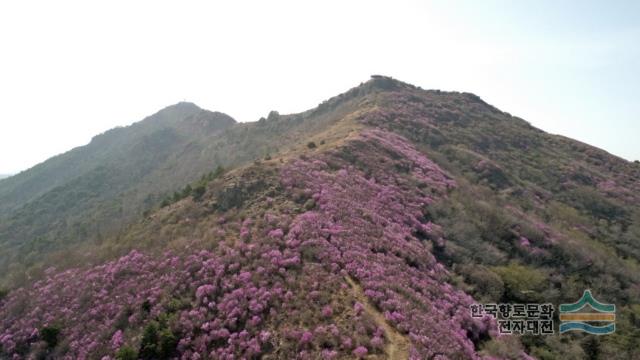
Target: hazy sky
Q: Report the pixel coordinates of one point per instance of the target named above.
(72, 69)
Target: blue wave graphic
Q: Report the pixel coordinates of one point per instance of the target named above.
(587, 298)
(596, 330)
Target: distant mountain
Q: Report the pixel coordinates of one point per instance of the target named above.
(94, 190)
(4, 176)
(363, 228)
(115, 147)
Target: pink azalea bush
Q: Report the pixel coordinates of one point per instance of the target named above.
(370, 224)
(283, 286)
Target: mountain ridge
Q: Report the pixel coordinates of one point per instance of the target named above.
(418, 201)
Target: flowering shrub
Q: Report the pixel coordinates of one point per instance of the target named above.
(369, 223)
(280, 287)
(360, 352)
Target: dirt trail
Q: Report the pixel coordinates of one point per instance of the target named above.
(398, 344)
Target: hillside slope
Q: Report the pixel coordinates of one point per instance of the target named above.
(94, 192)
(387, 213)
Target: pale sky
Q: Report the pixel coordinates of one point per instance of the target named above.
(72, 69)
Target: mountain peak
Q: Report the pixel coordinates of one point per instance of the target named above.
(383, 82)
(182, 107)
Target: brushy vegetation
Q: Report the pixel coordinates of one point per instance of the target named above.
(95, 192)
(250, 297)
(535, 217)
(425, 200)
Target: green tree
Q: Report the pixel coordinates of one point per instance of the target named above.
(198, 191)
(149, 343)
(165, 202)
(167, 344)
(186, 191)
(219, 171)
(522, 283)
(126, 353)
(49, 334)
